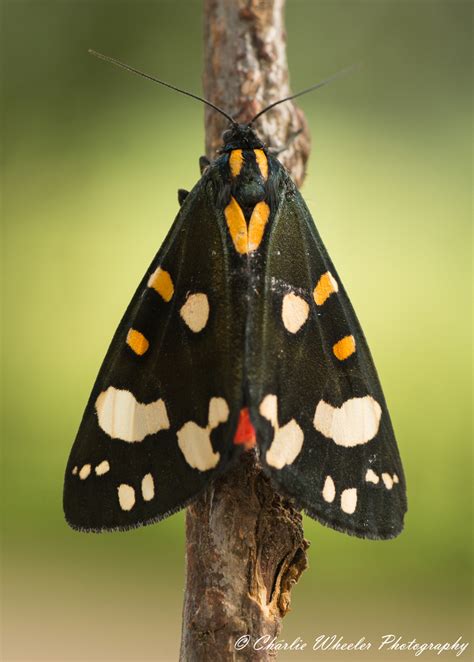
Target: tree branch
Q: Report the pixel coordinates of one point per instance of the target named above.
(245, 70)
(245, 547)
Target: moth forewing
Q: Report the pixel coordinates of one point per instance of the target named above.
(240, 337)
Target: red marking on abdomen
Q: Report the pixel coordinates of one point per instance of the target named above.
(245, 433)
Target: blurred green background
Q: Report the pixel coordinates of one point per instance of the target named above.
(92, 159)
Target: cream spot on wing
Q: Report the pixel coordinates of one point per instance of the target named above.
(85, 471)
(195, 444)
(371, 477)
(387, 481)
(126, 495)
(102, 468)
(148, 487)
(121, 416)
(195, 311)
(195, 441)
(395, 478)
(218, 412)
(349, 500)
(355, 422)
(326, 286)
(161, 282)
(287, 440)
(286, 445)
(329, 490)
(269, 409)
(74, 471)
(294, 312)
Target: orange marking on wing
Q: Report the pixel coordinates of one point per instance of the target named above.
(161, 282)
(236, 161)
(326, 286)
(257, 224)
(137, 342)
(237, 226)
(246, 240)
(344, 348)
(245, 434)
(262, 162)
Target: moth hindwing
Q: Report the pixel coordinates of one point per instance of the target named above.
(240, 338)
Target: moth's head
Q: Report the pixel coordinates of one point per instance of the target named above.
(240, 136)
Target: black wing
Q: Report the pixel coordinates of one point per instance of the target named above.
(323, 426)
(162, 414)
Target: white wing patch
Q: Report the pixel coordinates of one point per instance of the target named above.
(355, 422)
(195, 441)
(85, 471)
(126, 495)
(329, 490)
(218, 412)
(121, 416)
(349, 500)
(294, 312)
(195, 311)
(287, 440)
(371, 477)
(102, 468)
(387, 481)
(148, 487)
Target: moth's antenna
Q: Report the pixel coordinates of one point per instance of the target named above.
(117, 63)
(343, 72)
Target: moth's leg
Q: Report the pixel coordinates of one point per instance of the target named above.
(203, 163)
(274, 151)
(182, 195)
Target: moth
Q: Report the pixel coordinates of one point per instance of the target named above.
(240, 338)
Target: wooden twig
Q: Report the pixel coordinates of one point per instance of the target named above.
(245, 547)
(246, 69)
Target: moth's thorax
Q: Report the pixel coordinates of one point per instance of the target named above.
(248, 172)
(247, 210)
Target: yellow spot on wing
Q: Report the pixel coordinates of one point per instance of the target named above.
(137, 342)
(326, 286)
(246, 241)
(161, 282)
(262, 162)
(236, 161)
(237, 226)
(258, 220)
(344, 348)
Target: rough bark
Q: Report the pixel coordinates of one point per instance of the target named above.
(245, 70)
(245, 547)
